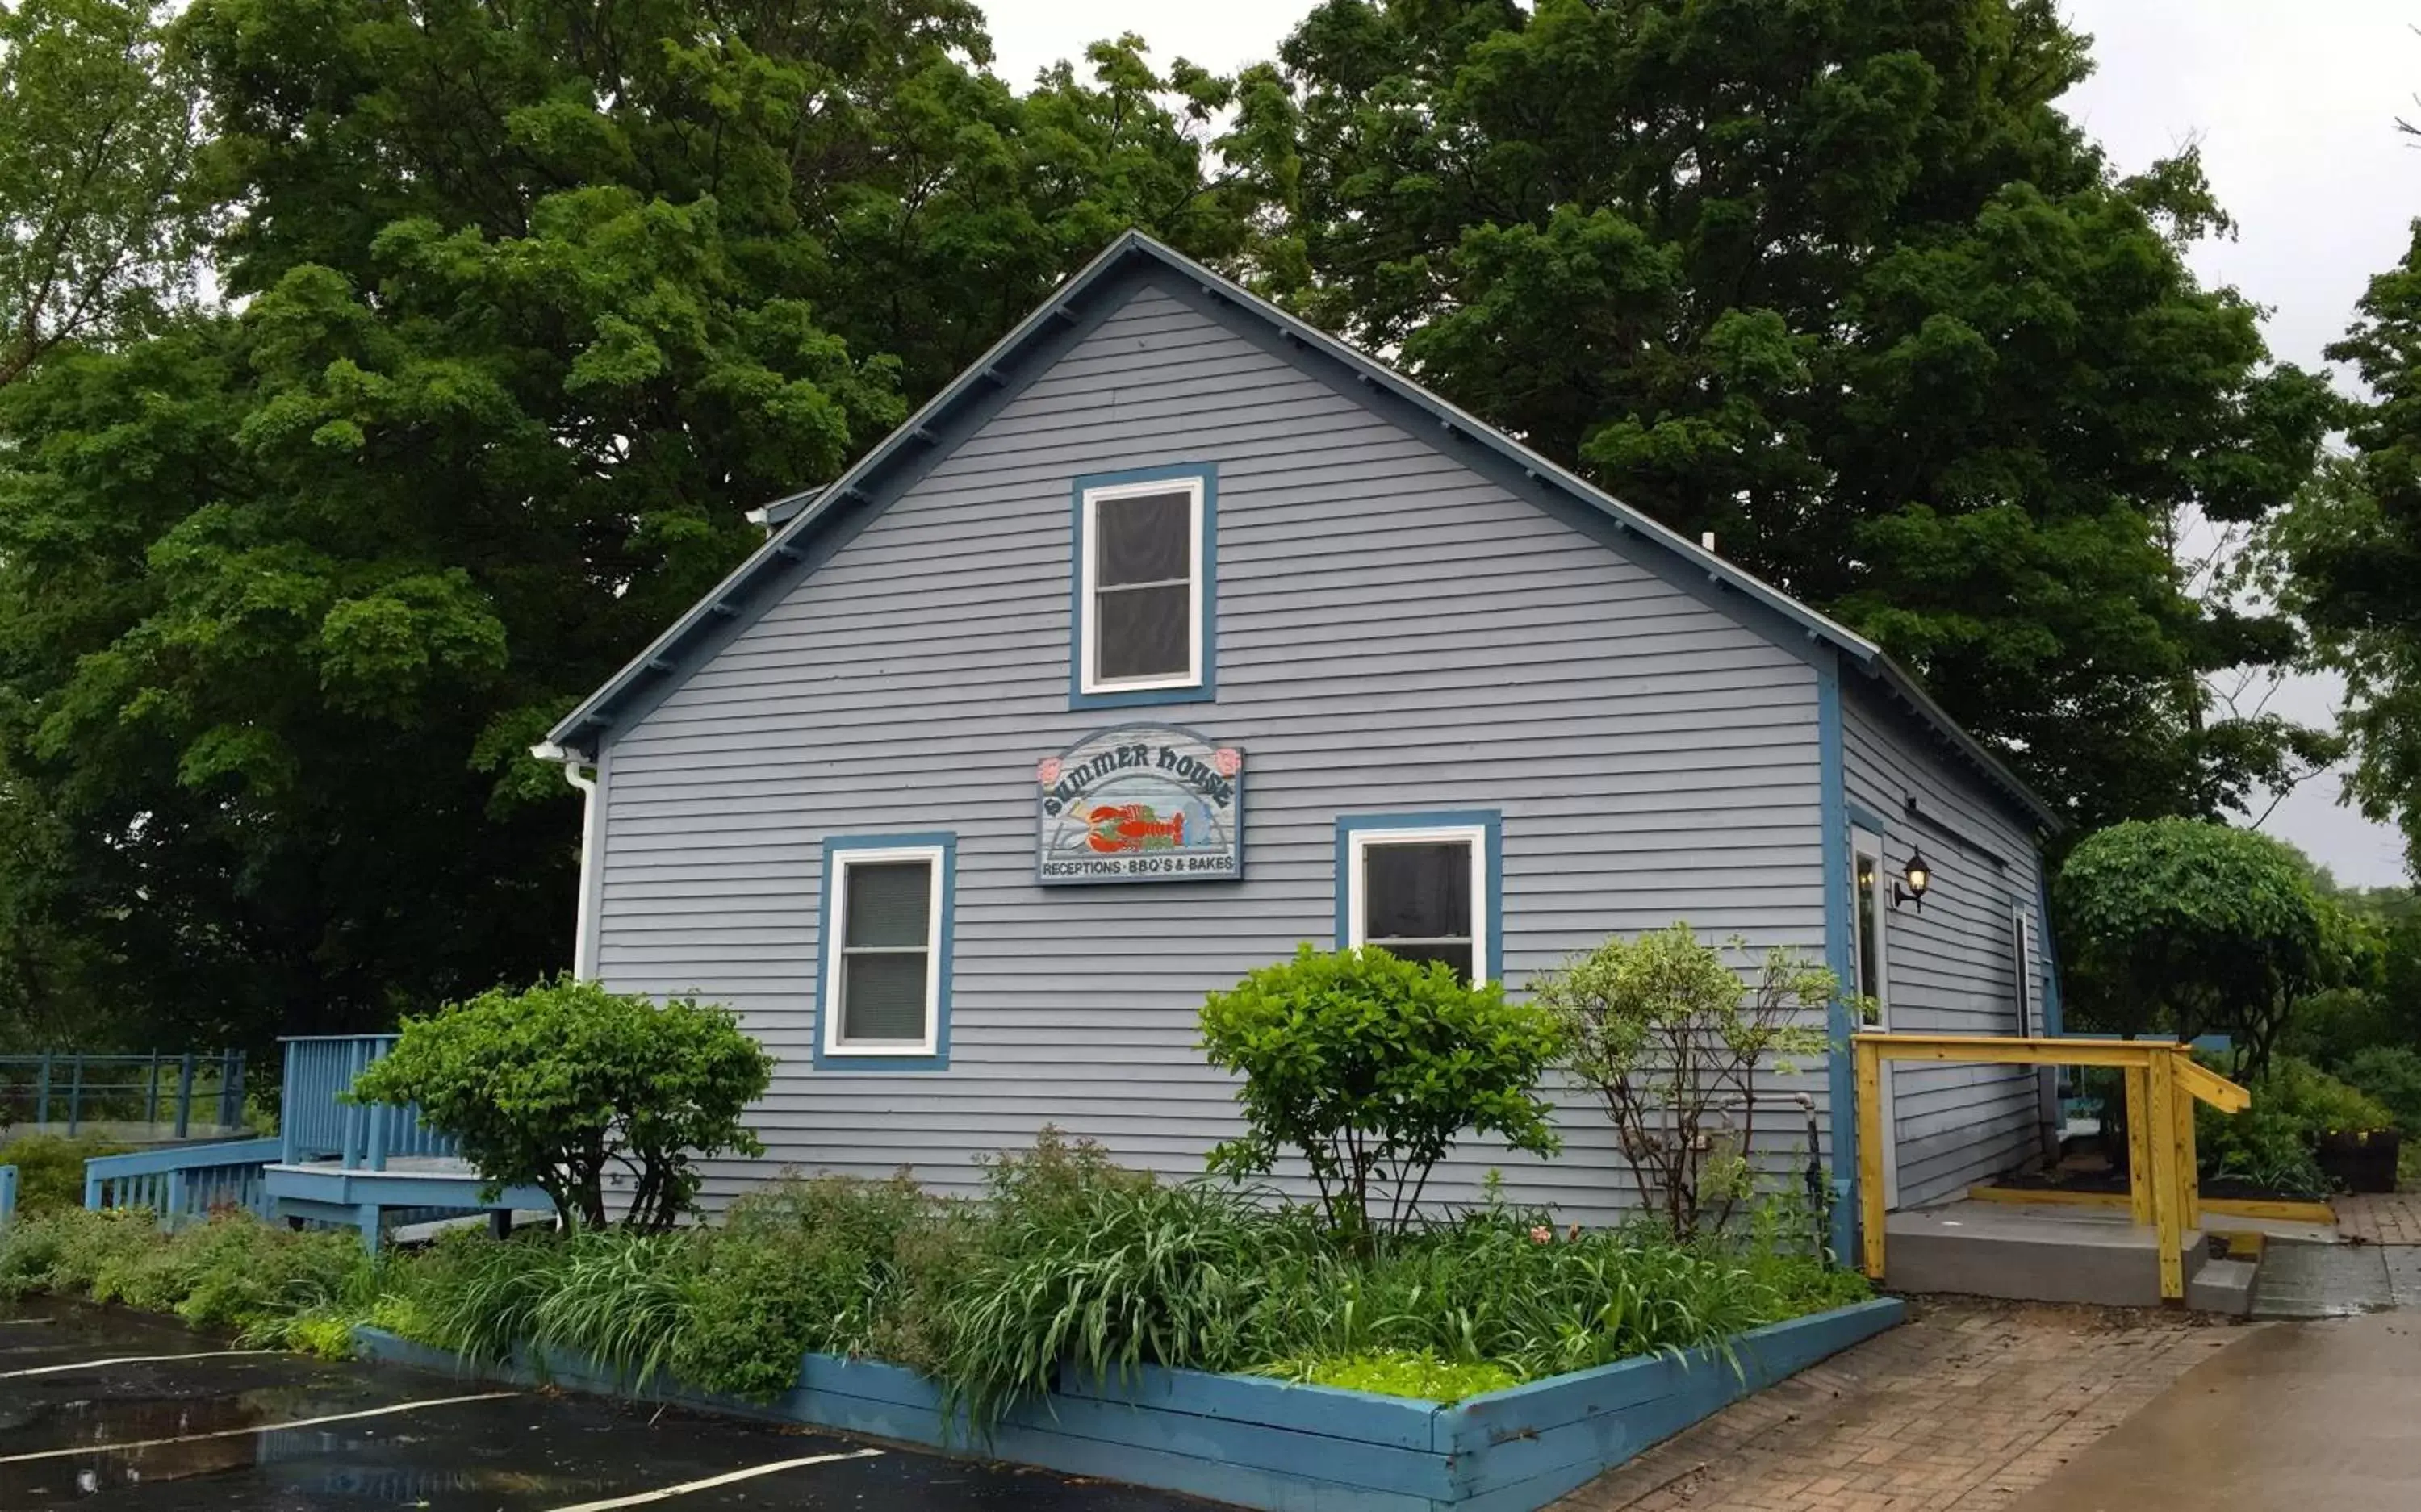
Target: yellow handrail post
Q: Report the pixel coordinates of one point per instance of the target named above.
(2189, 1172)
(2168, 1205)
(1870, 1062)
(2139, 1148)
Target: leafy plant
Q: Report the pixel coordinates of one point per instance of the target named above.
(1417, 1373)
(2390, 1075)
(798, 1267)
(1674, 1040)
(556, 1086)
(2273, 1144)
(1371, 1067)
(50, 1169)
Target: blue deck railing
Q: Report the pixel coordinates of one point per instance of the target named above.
(318, 1127)
(76, 1089)
(182, 1182)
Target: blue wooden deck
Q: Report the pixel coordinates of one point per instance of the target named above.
(333, 1161)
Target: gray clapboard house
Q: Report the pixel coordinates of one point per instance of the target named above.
(1175, 633)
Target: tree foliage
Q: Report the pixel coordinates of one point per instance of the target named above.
(2188, 928)
(1837, 282)
(1370, 1067)
(535, 301)
(566, 1087)
(97, 133)
(1673, 1040)
(2346, 558)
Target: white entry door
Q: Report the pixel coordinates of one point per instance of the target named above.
(1869, 911)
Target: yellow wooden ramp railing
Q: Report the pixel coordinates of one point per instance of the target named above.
(2163, 1086)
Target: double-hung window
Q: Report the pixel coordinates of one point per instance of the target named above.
(1143, 587)
(886, 952)
(1423, 887)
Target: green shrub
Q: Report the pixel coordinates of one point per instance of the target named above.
(2271, 1144)
(1416, 1373)
(555, 1087)
(798, 1267)
(50, 1169)
(1372, 1067)
(1673, 1041)
(233, 1274)
(2390, 1075)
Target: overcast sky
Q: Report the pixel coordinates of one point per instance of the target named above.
(2294, 106)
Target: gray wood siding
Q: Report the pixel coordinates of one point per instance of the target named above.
(1950, 967)
(1395, 634)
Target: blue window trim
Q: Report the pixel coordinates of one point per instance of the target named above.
(1207, 474)
(1836, 815)
(1490, 822)
(837, 847)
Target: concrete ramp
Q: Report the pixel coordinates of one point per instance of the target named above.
(2029, 1253)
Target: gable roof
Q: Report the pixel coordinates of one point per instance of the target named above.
(793, 521)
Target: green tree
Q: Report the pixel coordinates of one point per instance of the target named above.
(575, 1090)
(2187, 927)
(1836, 282)
(535, 302)
(2348, 557)
(97, 236)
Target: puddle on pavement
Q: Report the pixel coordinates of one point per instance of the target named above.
(529, 1452)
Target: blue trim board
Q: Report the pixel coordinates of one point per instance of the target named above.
(1835, 814)
(1490, 821)
(1206, 691)
(835, 845)
(1260, 1442)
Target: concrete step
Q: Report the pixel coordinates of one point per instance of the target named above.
(2224, 1286)
(2030, 1252)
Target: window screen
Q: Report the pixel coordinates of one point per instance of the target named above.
(886, 950)
(1416, 901)
(1143, 587)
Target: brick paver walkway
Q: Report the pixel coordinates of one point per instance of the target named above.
(2389, 1218)
(1962, 1410)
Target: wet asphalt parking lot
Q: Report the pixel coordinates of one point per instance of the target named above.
(100, 1408)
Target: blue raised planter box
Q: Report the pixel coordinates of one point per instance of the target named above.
(1268, 1444)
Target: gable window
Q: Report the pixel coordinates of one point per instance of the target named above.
(885, 953)
(1143, 604)
(1423, 887)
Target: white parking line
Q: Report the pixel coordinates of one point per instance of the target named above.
(236, 1433)
(127, 1360)
(668, 1492)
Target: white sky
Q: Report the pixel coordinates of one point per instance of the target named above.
(2295, 108)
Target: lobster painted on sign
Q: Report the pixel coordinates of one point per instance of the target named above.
(1122, 827)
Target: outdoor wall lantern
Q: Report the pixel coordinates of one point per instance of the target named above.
(1917, 878)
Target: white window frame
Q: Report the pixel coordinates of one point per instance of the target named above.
(836, 953)
(1359, 841)
(1087, 599)
(2022, 938)
(1867, 844)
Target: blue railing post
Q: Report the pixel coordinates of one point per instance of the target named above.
(43, 1096)
(290, 1128)
(185, 1095)
(75, 1095)
(91, 1188)
(8, 1192)
(172, 1203)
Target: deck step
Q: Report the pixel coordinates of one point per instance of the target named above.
(2030, 1252)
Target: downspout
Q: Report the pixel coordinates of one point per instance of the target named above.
(583, 964)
